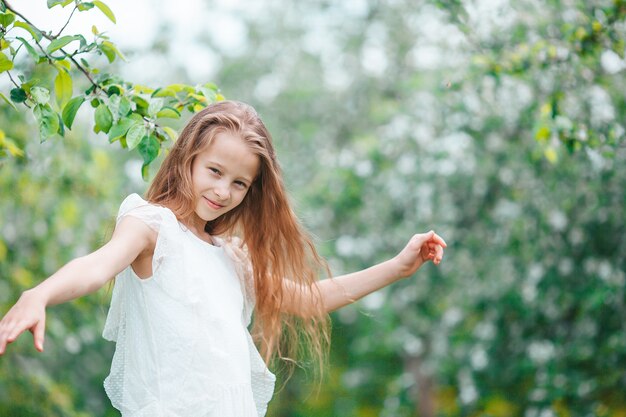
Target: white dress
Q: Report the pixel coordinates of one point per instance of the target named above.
(182, 343)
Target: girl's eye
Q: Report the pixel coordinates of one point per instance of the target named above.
(214, 170)
(241, 184)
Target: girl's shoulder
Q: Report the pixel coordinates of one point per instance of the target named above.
(151, 214)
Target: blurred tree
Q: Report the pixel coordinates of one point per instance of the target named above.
(392, 118)
(500, 124)
(571, 57)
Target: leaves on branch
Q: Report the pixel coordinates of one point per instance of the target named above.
(105, 9)
(70, 110)
(5, 63)
(126, 112)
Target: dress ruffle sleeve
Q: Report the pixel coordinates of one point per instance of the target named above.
(137, 207)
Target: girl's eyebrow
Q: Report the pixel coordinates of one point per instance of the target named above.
(211, 162)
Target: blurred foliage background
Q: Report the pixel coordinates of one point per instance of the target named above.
(498, 123)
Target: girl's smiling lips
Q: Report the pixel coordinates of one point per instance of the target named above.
(213, 204)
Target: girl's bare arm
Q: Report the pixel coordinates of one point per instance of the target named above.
(78, 277)
(340, 291)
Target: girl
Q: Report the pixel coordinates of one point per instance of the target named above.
(215, 239)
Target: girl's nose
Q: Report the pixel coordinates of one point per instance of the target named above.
(222, 191)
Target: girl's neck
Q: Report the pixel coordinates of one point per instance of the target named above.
(196, 226)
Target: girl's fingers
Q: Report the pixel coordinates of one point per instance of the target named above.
(38, 335)
(421, 239)
(435, 252)
(439, 250)
(11, 331)
(13, 334)
(439, 240)
(430, 237)
(5, 338)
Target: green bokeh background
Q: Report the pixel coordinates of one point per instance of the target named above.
(500, 125)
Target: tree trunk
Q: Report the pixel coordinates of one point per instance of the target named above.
(424, 388)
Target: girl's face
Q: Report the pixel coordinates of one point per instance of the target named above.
(222, 174)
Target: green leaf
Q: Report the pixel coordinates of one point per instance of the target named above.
(61, 42)
(542, 134)
(5, 63)
(105, 9)
(6, 19)
(3, 7)
(125, 107)
(164, 92)
(8, 145)
(181, 87)
(70, 110)
(155, 106)
(168, 112)
(145, 172)
(104, 119)
(171, 133)
(110, 51)
(142, 104)
(63, 65)
(35, 33)
(63, 3)
(31, 51)
(48, 120)
(212, 86)
(134, 135)
(9, 102)
(63, 87)
(114, 105)
(119, 129)
(142, 89)
(85, 6)
(61, 130)
(119, 105)
(551, 155)
(149, 148)
(209, 93)
(114, 90)
(40, 95)
(18, 95)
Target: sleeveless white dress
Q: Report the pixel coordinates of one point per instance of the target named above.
(182, 343)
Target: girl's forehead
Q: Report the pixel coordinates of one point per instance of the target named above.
(232, 151)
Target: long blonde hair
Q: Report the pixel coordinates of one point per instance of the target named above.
(278, 246)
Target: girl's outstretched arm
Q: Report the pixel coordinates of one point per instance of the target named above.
(78, 277)
(340, 291)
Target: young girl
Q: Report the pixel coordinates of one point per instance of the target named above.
(215, 239)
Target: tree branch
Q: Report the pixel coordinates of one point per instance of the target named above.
(83, 70)
(12, 80)
(66, 23)
(8, 6)
(71, 57)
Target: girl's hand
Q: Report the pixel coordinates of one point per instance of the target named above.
(421, 248)
(29, 313)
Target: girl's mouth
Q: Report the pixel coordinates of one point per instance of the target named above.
(213, 204)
